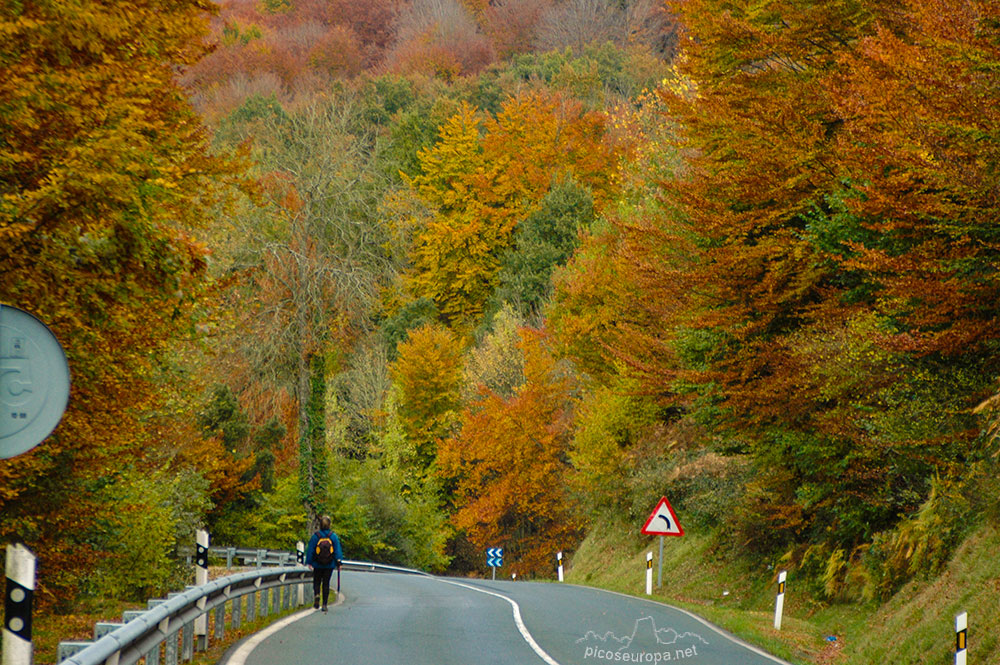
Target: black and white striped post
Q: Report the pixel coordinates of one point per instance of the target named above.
(300, 558)
(20, 590)
(649, 573)
(779, 603)
(200, 578)
(961, 638)
(560, 566)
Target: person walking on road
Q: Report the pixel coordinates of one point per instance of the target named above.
(323, 554)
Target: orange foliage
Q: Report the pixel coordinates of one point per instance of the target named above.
(486, 175)
(105, 171)
(509, 466)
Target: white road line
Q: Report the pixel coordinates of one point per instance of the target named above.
(241, 654)
(518, 621)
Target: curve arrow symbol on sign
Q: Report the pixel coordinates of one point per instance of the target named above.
(663, 511)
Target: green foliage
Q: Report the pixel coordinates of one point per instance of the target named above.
(610, 422)
(413, 314)
(376, 511)
(256, 112)
(384, 98)
(278, 522)
(407, 525)
(921, 544)
(224, 417)
(155, 513)
(233, 33)
(543, 241)
(599, 73)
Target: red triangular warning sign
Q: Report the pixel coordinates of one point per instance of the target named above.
(663, 521)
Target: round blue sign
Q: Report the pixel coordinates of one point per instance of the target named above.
(34, 381)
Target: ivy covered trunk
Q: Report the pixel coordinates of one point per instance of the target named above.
(312, 435)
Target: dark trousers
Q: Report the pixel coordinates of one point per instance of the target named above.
(321, 578)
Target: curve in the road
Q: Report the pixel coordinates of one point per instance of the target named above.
(391, 618)
(518, 621)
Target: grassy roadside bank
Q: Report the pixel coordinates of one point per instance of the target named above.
(915, 626)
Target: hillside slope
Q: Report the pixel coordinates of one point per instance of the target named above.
(915, 626)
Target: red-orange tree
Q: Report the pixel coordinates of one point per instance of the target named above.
(509, 466)
(103, 172)
(819, 284)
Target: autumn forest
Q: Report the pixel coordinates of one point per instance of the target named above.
(459, 272)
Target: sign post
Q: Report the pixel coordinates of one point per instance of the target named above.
(649, 573)
(559, 559)
(659, 567)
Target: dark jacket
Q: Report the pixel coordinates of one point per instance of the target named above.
(338, 554)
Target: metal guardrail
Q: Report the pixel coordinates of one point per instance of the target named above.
(160, 626)
(158, 630)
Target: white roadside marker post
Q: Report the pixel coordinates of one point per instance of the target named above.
(779, 604)
(961, 638)
(559, 559)
(300, 558)
(20, 589)
(649, 573)
(200, 578)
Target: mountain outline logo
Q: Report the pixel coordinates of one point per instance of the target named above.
(656, 644)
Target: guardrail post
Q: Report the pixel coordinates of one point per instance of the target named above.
(252, 606)
(260, 558)
(220, 621)
(20, 590)
(187, 642)
(102, 628)
(276, 600)
(68, 649)
(264, 598)
(230, 555)
(237, 605)
(153, 655)
(170, 650)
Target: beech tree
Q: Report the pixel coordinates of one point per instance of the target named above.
(509, 466)
(815, 281)
(104, 177)
(481, 180)
(428, 376)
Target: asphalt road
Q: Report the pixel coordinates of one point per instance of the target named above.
(396, 619)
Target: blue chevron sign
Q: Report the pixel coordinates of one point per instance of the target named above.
(494, 557)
